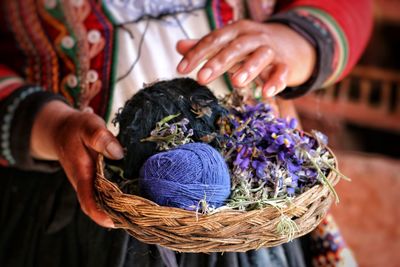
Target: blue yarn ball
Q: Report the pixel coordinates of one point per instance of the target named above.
(183, 176)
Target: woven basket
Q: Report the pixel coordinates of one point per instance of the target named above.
(223, 231)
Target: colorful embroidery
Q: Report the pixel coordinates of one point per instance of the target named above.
(219, 13)
(101, 62)
(76, 63)
(42, 67)
(329, 247)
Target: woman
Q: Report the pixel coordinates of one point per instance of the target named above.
(80, 60)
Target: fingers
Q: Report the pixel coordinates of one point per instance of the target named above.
(253, 66)
(241, 48)
(97, 137)
(242, 44)
(86, 198)
(79, 137)
(234, 52)
(79, 167)
(209, 45)
(276, 81)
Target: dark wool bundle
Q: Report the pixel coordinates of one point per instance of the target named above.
(153, 103)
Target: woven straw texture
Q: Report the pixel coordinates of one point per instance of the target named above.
(223, 231)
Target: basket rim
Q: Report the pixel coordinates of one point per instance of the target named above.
(224, 230)
(332, 177)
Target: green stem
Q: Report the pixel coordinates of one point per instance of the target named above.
(344, 177)
(324, 178)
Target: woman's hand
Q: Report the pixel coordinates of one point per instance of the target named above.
(74, 138)
(273, 52)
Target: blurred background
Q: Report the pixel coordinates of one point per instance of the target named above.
(361, 116)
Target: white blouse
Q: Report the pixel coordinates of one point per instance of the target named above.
(147, 44)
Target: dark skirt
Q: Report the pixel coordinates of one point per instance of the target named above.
(41, 224)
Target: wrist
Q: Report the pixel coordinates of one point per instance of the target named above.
(297, 52)
(46, 126)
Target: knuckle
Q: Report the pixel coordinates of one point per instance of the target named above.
(210, 39)
(215, 64)
(266, 51)
(190, 55)
(264, 37)
(100, 137)
(243, 23)
(225, 57)
(238, 44)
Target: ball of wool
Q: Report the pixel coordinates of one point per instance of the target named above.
(184, 176)
(155, 102)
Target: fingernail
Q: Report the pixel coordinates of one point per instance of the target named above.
(183, 65)
(205, 74)
(242, 77)
(270, 91)
(283, 86)
(88, 110)
(114, 150)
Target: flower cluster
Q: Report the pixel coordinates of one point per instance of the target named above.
(269, 158)
(168, 135)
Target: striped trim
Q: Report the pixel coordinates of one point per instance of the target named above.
(341, 55)
(113, 62)
(9, 84)
(5, 130)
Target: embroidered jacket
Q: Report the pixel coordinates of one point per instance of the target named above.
(66, 50)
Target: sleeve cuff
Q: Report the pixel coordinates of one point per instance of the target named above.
(17, 114)
(313, 30)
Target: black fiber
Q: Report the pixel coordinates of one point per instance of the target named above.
(150, 105)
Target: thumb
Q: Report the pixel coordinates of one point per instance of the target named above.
(100, 139)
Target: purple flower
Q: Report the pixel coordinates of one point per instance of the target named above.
(292, 168)
(242, 158)
(321, 138)
(273, 148)
(281, 156)
(292, 123)
(244, 163)
(290, 191)
(259, 166)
